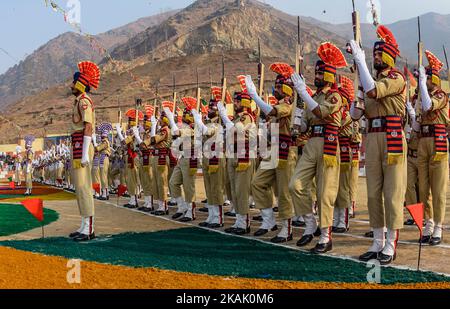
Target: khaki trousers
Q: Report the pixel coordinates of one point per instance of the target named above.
(240, 185)
(264, 181)
(214, 182)
(160, 180)
(104, 171)
(354, 175)
(146, 180)
(82, 180)
(181, 176)
(386, 183)
(311, 165)
(433, 175)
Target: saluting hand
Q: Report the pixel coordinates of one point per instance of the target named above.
(357, 52)
(251, 88)
(299, 82)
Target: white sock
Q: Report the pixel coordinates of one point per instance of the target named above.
(391, 242)
(286, 228)
(429, 228)
(268, 219)
(325, 235)
(378, 240)
(437, 231)
(311, 224)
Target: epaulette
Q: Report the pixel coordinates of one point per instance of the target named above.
(392, 74)
(440, 94)
(87, 98)
(330, 93)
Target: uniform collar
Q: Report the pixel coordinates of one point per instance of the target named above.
(323, 90)
(434, 91)
(214, 120)
(81, 96)
(385, 72)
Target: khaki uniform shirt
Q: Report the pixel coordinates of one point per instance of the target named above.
(82, 112)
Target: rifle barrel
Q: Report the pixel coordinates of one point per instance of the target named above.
(418, 25)
(445, 55)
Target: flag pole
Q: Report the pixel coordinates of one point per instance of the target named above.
(420, 251)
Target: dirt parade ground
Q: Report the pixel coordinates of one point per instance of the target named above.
(140, 250)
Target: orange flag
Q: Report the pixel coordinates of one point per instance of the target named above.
(416, 212)
(96, 187)
(35, 207)
(121, 190)
(12, 185)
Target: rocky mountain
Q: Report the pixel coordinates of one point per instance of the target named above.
(216, 25)
(55, 61)
(435, 30)
(193, 40)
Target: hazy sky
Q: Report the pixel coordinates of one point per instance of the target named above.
(28, 24)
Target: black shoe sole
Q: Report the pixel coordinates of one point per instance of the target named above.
(83, 238)
(305, 240)
(239, 231)
(279, 240)
(161, 213)
(326, 249)
(366, 257)
(177, 215)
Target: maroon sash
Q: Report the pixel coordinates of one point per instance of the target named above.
(162, 156)
(344, 144)
(77, 145)
(131, 156)
(440, 139)
(394, 138)
(330, 140)
(146, 157)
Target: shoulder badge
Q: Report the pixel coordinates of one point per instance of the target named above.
(439, 95)
(334, 100)
(392, 75)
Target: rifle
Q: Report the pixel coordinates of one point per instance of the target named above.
(419, 63)
(224, 81)
(298, 69)
(174, 95)
(448, 68)
(138, 103)
(408, 84)
(408, 90)
(357, 37)
(224, 85)
(210, 82)
(198, 92)
(155, 101)
(261, 68)
(260, 71)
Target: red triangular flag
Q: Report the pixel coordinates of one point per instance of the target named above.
(96, 187)
(35, 207)
(416, 212)
(12, 185)
(121, 190)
